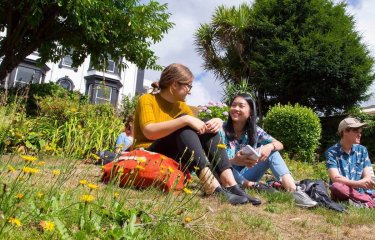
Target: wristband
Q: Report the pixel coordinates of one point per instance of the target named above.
(274, 147)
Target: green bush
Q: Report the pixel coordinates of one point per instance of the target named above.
(297, 127)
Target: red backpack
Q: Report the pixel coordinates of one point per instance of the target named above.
(141, 168)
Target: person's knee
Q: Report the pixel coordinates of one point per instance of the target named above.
(336, 186)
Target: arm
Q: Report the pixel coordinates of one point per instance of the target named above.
(365, 182)
(273, 146)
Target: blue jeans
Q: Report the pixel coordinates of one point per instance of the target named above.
(274, 162)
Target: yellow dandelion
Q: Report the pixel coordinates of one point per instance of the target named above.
(56, 172)
(170, 169)
(39, 194)
(30, 170)
(187, 191)
(103, 168)
(87, 198)
(139, 167)
(196, 168)
(29, 158)
(83, 182)
(47, 226)
(141, 159)
(121, 170)
(15, 221)
(116, 195)
(187, 219)
(92, 186)
(41, 163)
(11, 169)
(221, 146)
(96, 157)
(20, 196)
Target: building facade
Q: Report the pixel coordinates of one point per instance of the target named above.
(100, 86)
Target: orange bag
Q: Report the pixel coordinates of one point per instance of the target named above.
(143, 169)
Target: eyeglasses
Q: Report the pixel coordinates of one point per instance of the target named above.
(189, 86)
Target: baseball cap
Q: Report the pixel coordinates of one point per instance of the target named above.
(350, 123)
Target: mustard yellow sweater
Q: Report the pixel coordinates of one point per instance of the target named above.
(152, 108)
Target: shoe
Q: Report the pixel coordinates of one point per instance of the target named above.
(236, 189)
(261, 187)
(302, 199)
(232, 198)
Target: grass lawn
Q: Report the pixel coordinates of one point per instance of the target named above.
(64, 199)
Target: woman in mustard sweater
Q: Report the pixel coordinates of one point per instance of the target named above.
(165, 124)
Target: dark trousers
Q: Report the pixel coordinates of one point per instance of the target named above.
(194, 151)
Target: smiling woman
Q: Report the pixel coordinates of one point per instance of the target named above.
(165, 124)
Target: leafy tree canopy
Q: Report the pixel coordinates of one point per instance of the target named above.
(301, 51)
(100, 28)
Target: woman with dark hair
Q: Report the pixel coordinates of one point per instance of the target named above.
(241, 130)
(165, 124)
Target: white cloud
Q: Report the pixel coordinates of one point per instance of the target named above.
(178, 44)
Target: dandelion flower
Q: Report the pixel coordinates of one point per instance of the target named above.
(20, 196)
(47, 226)
(170, 169)
(139, 167)
(87, 198)
(221, 146)
(116, 195)
(92, 186)
(29, 158)
(83, 182)
(56, 172)
(196, 168)
(30, 170)
(39, 194)
(41, 163)
(141, 159)
(187, 191)
(15, 221)
(187, 219)
(11, 169)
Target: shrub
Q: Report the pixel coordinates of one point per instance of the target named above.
(214, 110)
(128, 106)
(297, 127)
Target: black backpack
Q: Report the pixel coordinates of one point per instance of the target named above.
(317, 191)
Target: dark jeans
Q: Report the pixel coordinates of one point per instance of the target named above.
(191, 149)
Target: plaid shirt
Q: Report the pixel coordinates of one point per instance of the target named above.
(234, 146)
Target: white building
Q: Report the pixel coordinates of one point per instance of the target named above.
(109, 86)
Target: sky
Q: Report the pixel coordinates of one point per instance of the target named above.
(178, 44)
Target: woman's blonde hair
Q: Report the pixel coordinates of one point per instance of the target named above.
(175, 72)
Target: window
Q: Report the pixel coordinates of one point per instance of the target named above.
(103, 94)
(66, 83)
(111, 66)
(26, 75)
(67, 61)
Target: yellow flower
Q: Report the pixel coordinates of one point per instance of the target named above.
(187, 191)
(29, 158)
(96, 157)
(8, 142)
(83, 182)
(141, 159)
(56, 172)
(121, 170)
(116, 195)
(19, 195)
(221, 146)
(41, 163)
(187, 219)
(170, 169)
(30, 170)
(47, 225)
(87, 198)
(11, 169)
(139, 167)
(190, 180)
(39, 194)
(15, 221)
(196, 168)
(92, 186)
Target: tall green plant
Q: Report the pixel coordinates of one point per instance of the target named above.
(231, 89)
(128, 106)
